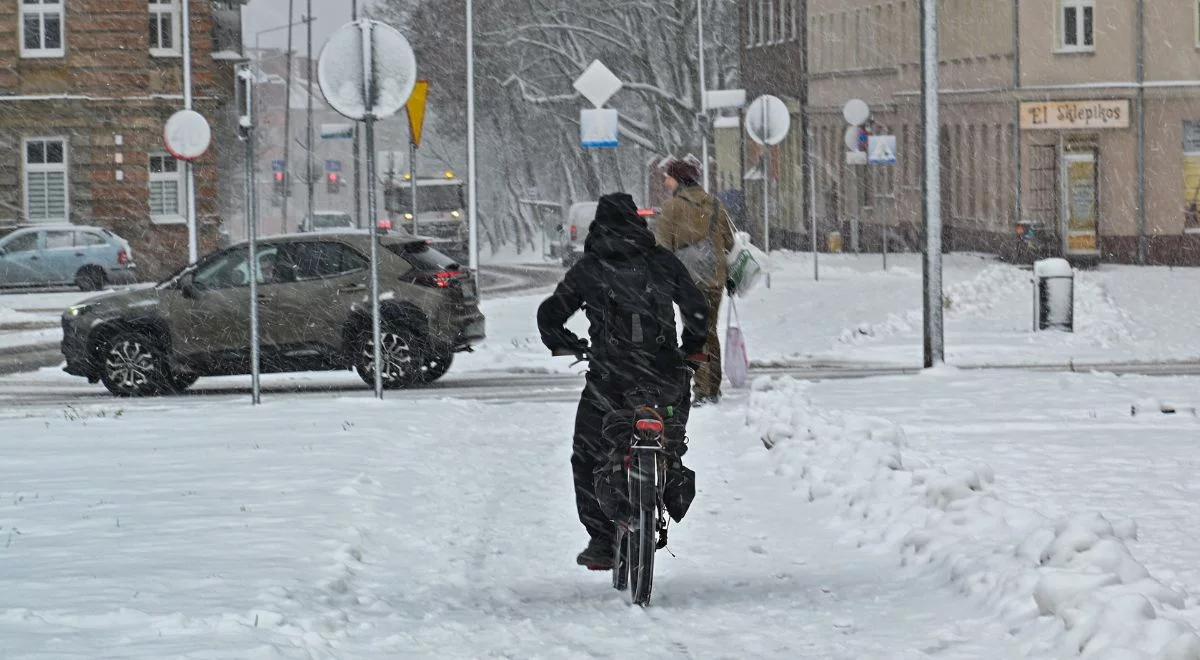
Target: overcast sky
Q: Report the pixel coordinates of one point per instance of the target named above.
(266, 14)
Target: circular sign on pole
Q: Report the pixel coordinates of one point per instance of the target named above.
(187, 135)
(367, 68)
(768, 120)
(856, 112)
(851, 138)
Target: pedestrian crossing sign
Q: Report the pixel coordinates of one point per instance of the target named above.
(881, 150)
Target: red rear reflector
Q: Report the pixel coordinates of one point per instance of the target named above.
(652, 425)
(440, 280)
(646, 213)
(385, 225)
(123, 258)
(574, 233)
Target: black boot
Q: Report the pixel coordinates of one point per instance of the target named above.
(597, 556)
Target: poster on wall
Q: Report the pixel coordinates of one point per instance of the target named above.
(1191, 176)
(1082, 231)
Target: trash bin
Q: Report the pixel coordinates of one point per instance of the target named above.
(1053, 295)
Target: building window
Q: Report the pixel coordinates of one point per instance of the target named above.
(46, 180)
(164, 27)
(1076, 19)
(166, 188)
(762, 22)
(42, 28)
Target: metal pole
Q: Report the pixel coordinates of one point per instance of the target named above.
(252, 232)
(412, 173)
(1142, 247)
(812, 210)
(935, 352)
(287, 119)
(703, 93)
(1019, 184)
(189, 170)
(369, 121)
(766, 179)
(308, 167)
(473, 211)
(356, 151)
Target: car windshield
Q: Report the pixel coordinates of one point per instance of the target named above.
(422, 256)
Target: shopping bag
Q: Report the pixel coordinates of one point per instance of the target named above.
(746, 264)
(737, 360)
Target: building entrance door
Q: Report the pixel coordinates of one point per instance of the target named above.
(1080, 204)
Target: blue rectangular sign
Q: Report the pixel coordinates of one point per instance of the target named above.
(333, 166)
(277, 166)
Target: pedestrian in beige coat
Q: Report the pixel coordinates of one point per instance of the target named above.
(692, 216)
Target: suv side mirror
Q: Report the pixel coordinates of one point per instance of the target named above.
(187, 285)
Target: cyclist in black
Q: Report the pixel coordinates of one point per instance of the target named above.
(628, 287)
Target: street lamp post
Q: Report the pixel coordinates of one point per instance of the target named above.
(287, 114)
(703, 93)
(472, 188)
(193, 232)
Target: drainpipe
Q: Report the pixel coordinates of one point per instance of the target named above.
(1141, 132)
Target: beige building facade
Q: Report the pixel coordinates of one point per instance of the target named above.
(1042, 106)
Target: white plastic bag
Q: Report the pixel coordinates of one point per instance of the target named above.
(747, 264)
(737, 360)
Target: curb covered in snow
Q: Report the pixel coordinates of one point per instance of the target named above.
(1065, 587)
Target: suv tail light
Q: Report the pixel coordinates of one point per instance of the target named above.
(574, 233)
(443, 279)
(123, 257)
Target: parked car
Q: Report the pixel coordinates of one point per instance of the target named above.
(314, 314)
(88, 257)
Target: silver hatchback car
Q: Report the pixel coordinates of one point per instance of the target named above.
(88, 257)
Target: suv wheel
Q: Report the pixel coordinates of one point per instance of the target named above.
(133, 365)
(436, 366)
(89, 278)
(403, 353)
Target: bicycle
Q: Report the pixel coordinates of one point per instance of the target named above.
(642, 531)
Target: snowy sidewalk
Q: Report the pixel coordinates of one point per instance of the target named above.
(354, 529)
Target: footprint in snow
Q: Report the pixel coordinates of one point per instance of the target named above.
(758, 549)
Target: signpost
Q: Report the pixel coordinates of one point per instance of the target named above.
(367, 71)
(415, 109)
(931, 185)
(245, 103)
(599, 128)
(767, 123)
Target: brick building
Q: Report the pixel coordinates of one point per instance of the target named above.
(86, 87)
(1042, 103)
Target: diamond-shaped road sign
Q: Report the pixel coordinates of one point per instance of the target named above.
(597, 83)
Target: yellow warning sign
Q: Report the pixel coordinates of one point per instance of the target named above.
(416, 111)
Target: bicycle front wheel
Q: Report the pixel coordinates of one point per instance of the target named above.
(643, 539)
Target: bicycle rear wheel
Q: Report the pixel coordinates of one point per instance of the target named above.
(643, 539)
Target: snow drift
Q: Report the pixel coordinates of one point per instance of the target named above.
(1065, 588)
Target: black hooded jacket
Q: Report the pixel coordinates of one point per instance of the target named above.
(617, 238)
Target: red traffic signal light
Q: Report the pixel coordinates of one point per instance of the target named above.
(334, 178)
(279, 177)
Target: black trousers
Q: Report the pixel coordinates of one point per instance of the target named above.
(604, 423)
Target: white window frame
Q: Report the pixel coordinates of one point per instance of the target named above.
(41, 9)
(175, 177)
(1060, 35)
(762, 23)
(751, 31)
(28, 168)
(172, 7)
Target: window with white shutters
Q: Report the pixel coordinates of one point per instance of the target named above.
(45, 166)
(166, 189)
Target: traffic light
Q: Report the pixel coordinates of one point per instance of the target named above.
(280, 189)
(333, 183)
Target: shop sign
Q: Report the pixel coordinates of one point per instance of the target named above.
(1060, 115)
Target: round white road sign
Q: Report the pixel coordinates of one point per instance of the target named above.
(768, 120)
(856, 112)
(187, 135)
(367, 68)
